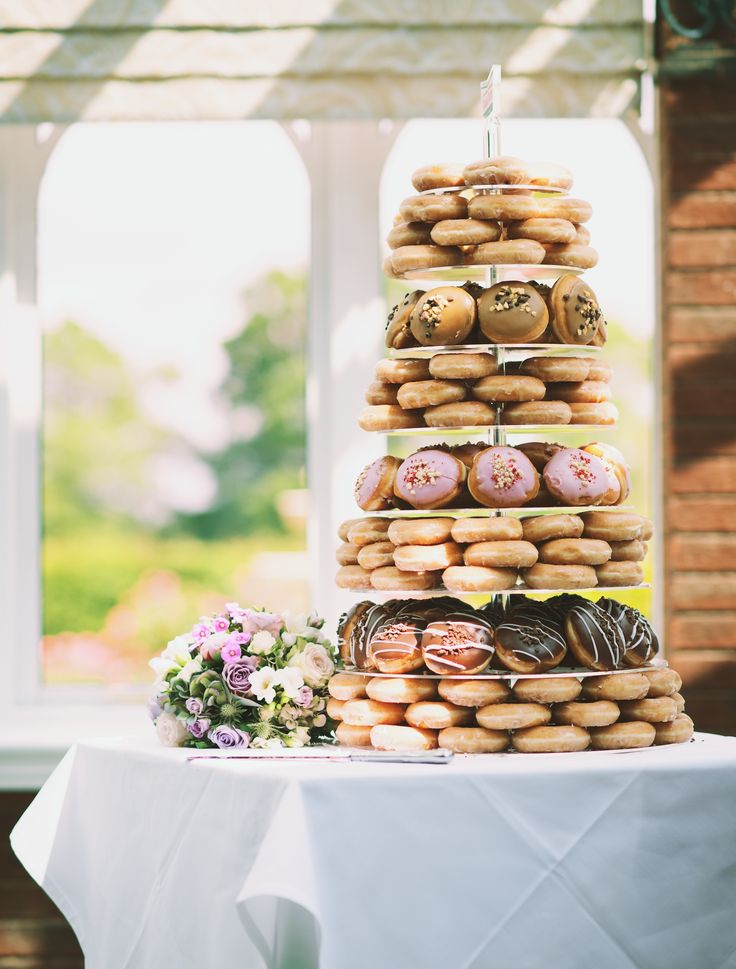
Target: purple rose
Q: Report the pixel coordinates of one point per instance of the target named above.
(199, 728)
(237, 675)
(227, 738)
(304, 697)
(155, 706)
(194, 705)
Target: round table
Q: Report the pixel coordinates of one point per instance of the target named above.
(565, 861)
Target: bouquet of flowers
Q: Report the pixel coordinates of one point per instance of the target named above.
(244, 677)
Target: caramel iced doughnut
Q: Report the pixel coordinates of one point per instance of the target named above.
(540, 452)
(624, 686)
(507, 252)
(501, 555)
(409, 234)
(465, 232)
(463, 366)
(616, 526)
(391, 579)
(557, 369)
(547, 690)
(442, 175)
(574, 310)
(499, 529)
(381, 393)
(433, 208)
(543, 576)
(376, 556)
(501, 170)
(582, 234)
(593, 636)
(466, 413)
(470, 578)
(444, 316)
(632, 551)
(502, 477)
(399, 689)
(560, 207)
(427, 558)
(512, 312)
(575, 551)
(513, 716)
(352, 577)
(545, 528)
(374, 488)
(419, 394)
(347, 554)
(556, 739)
(334, 708)
(543, 230)
(389, 417)
(589, 713)
(537, 412)
(410, 258)
(603, 413)
(622, 736)
(365, 531)
(473, 692)
(346, 686)
(348, 735)
(437, 714)
(583, 257)
(663, 681)
(430, 478)
(677, 731)
(651, 709)
(387, 737)
(508, 387)
(402, 371)
(473, 740)
(420, 531)
(583, 392)
(398, 331)
(504, 208)
(620, 573)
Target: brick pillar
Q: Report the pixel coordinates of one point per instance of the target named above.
(698, 131)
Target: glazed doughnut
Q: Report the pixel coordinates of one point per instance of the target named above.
(552, 689)
(556, 739)
(543, 230)
(442, 175)
(540, 452)
(572, 254)
(632, 551)
(444, 316)
(347, 554)
(600, 370)
(352, 577)
(463, 366)
(420, 531)
(575, 551)
(622, 736)
(499, 529)
(473, 740)
(663, 681)
(651, 709)
(549, 174)
(561, 207)
(574, 310)
(388, 269)
(502, 477)
(537, 412)
(512, 716)
(557, 369)
(365, 531)
(603, 413)
(466, 413)
(438, 714)
(430, 478)
(589, 713)
(410, 258)
(348, 735)
(381, 393)
(680, 701)
(409, 234)
(468, 578)
(583, 392)
(402, 371)
(543, 576)
(342, 532)
(399, 689)
(677, 731)
(502, 170)
(433, 208)
(376, 556)
(403, 738)
(430, 393)
(389, 417)
(391, 579)
(334, 708)
(612, 526)
(544, 528)
(427, 558)
(374, 488)
(504, 208)
(624, 686)
(619, 573)
(508, 252)
(501, 555)
(508, 387)
(582, 234)
(647, 530)
(398, 332)
(346, 686)
(473, 692)
(594, 638)
(465, 232)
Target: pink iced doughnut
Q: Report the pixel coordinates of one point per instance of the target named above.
(575, 477)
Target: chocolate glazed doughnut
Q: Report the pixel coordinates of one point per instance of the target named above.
(594, 637)
(395, 646)
(362, 632)
(529, 641)
(459, 643)
(641, 643)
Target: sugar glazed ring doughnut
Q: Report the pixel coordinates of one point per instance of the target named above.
(501, 170)
(433, 208)
(398, 331)
(507, 252)
(419, 394)
(557, 369)
(376, 556)
(508, 387)
(473, 692)
(512, 716)
(537, 412)
(463, 366)
(611, 526)
(473, 740)
(353, 577)
(429, 479)
(543, 576)
(409, 234)
(502, 477)
(589, 713)
(652, 709)
(442, 175)
(575, 551)
(333, 709)
(465, 232)
(501, 554)
(437, 714)
(603, 413)
(557, 739)
(443, 316)
(365, 531)
(574, 309)
(557, 689)
(626, 686)
(391, 579)
(408, 259)
(504, 208)
(562, 207)
(344, 529)
(500, 529)
(348, 735)
(379, 393)
(346, 686)
(622, 736)
(663, 681)
(543, 230)
(633, 551)
(386, 737)
(420, 531)
(374, 489)
(402, 371)
(389, 417)
(427, 558)
(582, 257)
(544, 528)
(583, 392)
(465, 413)
(471, 578)
(347, 554)
(398, 689)
(677, 731)
(550, 175)
(619, 573)
(512, 312)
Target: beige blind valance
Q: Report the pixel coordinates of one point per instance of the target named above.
(133, 60)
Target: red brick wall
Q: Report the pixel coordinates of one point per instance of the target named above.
(698, 116)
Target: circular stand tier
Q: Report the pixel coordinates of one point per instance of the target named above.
(382, 595)
(510, 352)
(523, 272)
(526, 429)
(497, 189)
(481, 512)
(579, 672)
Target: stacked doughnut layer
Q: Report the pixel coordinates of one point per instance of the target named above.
(534, 715)
(467, 390)
(483, 555)
(496, 211)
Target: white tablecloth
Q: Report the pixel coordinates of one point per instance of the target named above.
(568, 861)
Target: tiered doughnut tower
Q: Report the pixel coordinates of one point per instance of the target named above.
(475, 636)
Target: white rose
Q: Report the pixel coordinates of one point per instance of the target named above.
(189, 669)
(177, 648)
(296, 623)
(171, 731)
(298, 737)
(263, 684)
(290, 680)
(261, 643)
(315, 664)
(161, 665)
